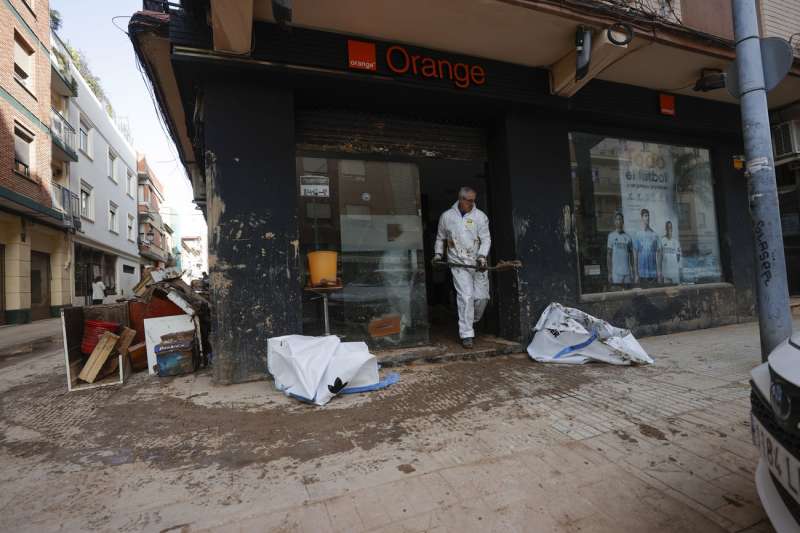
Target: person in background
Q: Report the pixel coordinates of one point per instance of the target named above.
(98, 291)
(465, 228)
(645, 250)
(669, 257)
(619, 254)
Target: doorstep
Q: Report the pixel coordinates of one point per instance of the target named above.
(443, 350)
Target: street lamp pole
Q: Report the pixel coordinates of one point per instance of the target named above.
(774, 315)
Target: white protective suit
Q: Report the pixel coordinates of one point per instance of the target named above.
(467, 238)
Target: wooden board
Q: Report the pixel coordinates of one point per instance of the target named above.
(138, 356)
(125, 340)
(140, 288)
(105, 347)
(384, 326)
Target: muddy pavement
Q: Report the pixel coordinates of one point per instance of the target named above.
(498, 443)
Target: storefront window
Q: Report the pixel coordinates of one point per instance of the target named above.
(645, 214)
(369, 212)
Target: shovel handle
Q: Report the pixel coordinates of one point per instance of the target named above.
(502, 265)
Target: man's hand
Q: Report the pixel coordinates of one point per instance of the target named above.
(436, 259)
(481, 262)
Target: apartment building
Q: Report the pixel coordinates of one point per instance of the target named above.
(102, 184)
(154, 235)
(35, 153)
(193, 257)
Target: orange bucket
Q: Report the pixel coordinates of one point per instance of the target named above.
(322, 267)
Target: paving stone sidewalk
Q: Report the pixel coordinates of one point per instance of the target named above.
(24, 338)
(500, 444)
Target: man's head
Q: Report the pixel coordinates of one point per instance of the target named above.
(619, 221)
(668, 229)
(466, 199)
(645, 218)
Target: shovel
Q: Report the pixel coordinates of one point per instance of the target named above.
(499, 267)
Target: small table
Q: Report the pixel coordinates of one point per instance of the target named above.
(323, 292)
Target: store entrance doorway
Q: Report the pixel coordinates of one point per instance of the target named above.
(440, 181)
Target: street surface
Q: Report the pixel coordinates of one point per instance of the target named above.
(499, 444)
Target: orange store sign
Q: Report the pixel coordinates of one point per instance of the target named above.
(362, 56)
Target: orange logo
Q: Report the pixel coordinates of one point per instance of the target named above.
(361, 55)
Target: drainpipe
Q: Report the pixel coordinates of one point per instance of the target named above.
(774, 315)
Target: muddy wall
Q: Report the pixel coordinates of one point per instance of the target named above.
(253, 259)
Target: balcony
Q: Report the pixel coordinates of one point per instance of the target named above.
(68, 203)
(151, 249)
(21, 167)
(61, 80)
(63, 135)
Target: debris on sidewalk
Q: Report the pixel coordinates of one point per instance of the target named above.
(107, 363)
(315, 369)
(164, 356)
(164, 329)
(102, 362)
(568, 335)
(177, 354)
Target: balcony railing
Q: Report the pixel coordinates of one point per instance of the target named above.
(67, 202)
(60, 59)
(62, 130)
(22, 168)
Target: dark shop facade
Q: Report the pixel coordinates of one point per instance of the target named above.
(625, 202)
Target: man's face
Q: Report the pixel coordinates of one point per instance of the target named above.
(618, 223)
(645, 219)
(467, 202)
(669, 230)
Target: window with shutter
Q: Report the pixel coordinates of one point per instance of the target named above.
(23, 62)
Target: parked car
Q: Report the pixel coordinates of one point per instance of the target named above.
(775, 426)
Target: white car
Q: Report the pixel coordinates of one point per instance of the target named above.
(775, 425)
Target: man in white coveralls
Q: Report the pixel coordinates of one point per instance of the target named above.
(466, 230)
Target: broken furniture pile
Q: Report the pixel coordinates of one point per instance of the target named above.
(162, 329)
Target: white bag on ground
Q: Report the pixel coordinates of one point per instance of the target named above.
(308, 367)
(567, 335)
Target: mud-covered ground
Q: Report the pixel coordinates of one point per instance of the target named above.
(500, 443)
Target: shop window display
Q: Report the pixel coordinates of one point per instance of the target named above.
(645, 214)
(368, 212)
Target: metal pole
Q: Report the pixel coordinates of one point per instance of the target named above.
(325, 313)
(774, 315)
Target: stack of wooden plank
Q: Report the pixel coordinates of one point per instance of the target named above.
(111, 352)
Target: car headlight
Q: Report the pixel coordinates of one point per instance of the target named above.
(781, 402)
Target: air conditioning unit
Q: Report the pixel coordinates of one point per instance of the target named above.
(786, 139)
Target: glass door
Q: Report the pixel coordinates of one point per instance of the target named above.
(370, 213)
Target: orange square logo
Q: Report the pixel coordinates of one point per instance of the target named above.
(667, 102)
(361, 55)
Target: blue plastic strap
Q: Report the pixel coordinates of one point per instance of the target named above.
(391, 379)
(576, 347)
(298, 397)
